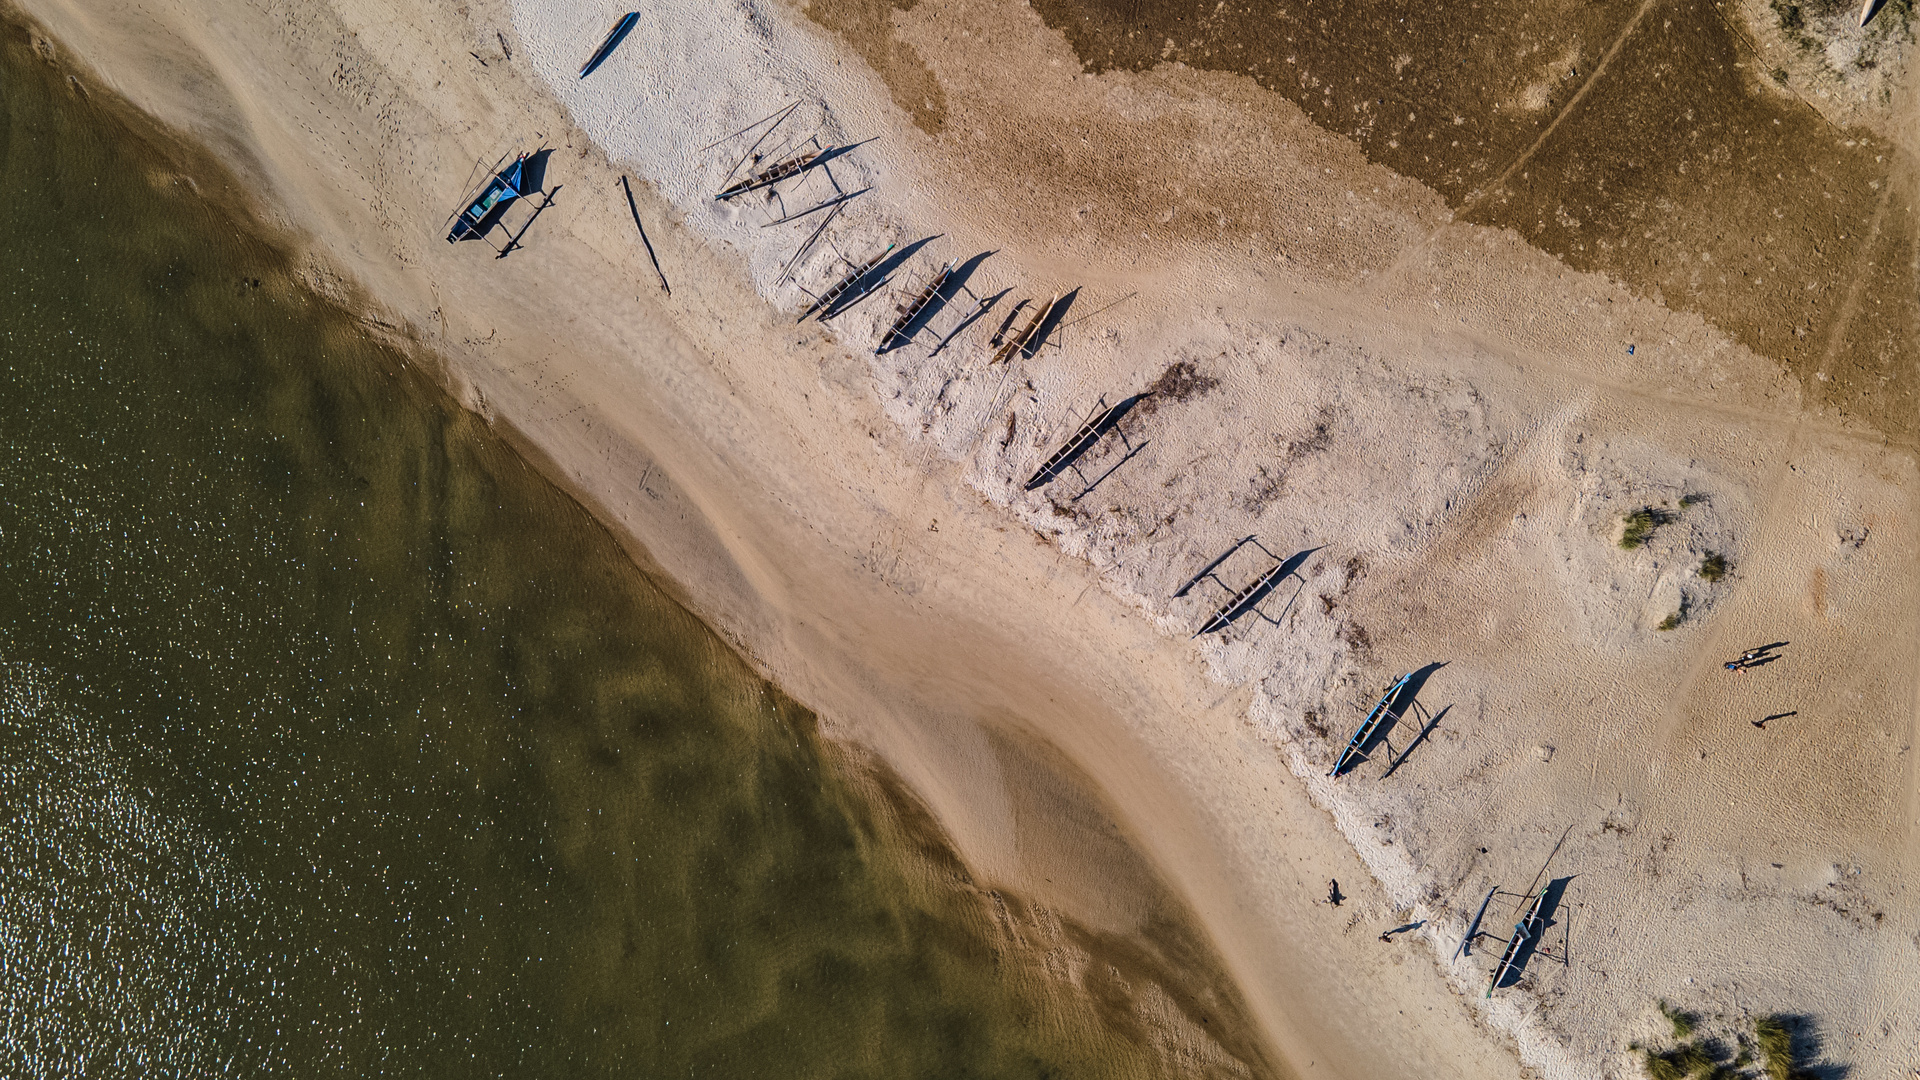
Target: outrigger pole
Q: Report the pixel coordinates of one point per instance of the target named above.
(806, 244)
(780, 113)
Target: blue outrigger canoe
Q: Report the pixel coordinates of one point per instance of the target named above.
(1375, 717)
(476, 219)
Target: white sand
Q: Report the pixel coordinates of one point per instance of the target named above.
(1453, 415)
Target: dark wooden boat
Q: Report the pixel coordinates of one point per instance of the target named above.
(1081, 442)
(1019, 340)
(912, 309)
(824, 303)
(793, 166)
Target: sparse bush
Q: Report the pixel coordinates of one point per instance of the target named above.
(1695, 1056)
(1776, 1047)
(1640, 526)
(1679, 1063)
(1669, 623)
(1659, 1068)
(1682, 1021)
(1713, 567)
(1691, 500)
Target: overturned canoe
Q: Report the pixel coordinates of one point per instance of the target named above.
(610, 42)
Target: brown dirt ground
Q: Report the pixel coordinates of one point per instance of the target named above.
(1629, 139)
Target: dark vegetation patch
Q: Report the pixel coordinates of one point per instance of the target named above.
(1264, 489)
(1357, 638)
(1713, 567)
(1674, 175)
(1315, 439)
(1182, 380)
(867, 26)
(1639, 526)
(1781, 1047)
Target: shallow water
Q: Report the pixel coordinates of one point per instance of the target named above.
(335, 741)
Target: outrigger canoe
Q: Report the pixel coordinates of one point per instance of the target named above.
(1375, 717)
(1083, 440)
(912, 309)
(500, 191)
(1523, 931)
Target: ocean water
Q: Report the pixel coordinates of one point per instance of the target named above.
(335, 742)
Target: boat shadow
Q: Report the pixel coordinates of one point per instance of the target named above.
(514, 235)
(986, 305)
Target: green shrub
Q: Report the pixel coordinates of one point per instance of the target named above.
(1776, 1047)
(1669, 623)
(1713, 567)
(1681, 1020)
(1640, 526)
(1679, 1063)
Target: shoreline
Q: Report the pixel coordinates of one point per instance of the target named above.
(783, 497)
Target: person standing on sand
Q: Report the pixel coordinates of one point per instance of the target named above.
(1333, 892)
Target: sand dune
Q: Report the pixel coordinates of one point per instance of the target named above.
(1453, 418)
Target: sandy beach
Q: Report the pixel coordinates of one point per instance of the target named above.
(1456, 424)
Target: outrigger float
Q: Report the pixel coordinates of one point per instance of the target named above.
(1473, 928)
(607, 45)
(1375, 717)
